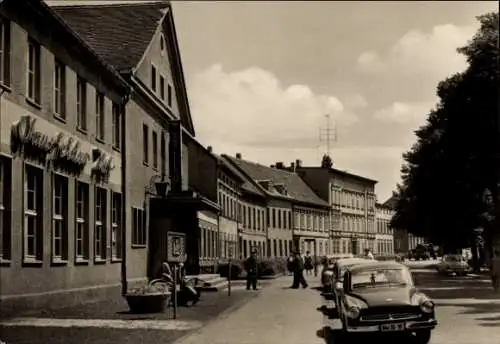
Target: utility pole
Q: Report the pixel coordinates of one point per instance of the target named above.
(328, 134)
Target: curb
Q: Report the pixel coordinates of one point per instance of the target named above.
(220, 316)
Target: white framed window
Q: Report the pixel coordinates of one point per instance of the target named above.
(82, 222)
(138, 228)
(33, 214)
(116, 228)
(59, 89)
(4, 52)
(81, 104)
(33, 72)
(5, 207)
(59, 218)
(99, 116)
(116, 126)
(100, 224)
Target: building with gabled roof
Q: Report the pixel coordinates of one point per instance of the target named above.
(296, 217)
(139, 41)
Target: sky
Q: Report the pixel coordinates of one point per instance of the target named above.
(262, 75)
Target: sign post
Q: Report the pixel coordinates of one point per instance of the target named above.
(175, 292)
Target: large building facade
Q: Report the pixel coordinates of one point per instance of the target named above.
(384, 246)
(61, 183)
(352, 206)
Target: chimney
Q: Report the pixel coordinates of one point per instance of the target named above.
(238, 155)
(279, 165)
(272, 166)
(209, 149)
(298, 163)
(292, 167)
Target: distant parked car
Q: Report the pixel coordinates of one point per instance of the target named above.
(453, 264)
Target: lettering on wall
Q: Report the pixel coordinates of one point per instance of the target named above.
(59, 152)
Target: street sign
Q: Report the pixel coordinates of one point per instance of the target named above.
(176, 251)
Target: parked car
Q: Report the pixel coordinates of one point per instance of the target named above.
(380, 297)
(328, 270)
(453, 264)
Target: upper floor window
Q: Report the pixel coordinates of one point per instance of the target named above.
(162, 44)
(163, 154)
(99, 115)
(81, 104)
(34, 72)
(116, 124)
(4, 52)
(5, 201)
(153, 78)
(169, 95)
(162, 87)
(155, 149)
(145, 144)
(60, 89)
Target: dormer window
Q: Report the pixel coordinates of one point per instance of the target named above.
(162, 44)
(281, 189)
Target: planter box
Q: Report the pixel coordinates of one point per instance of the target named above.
(147, 303)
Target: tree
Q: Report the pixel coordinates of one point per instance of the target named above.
(455, 160)
(326, 161)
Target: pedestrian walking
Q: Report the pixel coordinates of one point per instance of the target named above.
(495, 270)
(369, 254)
(308, 263)
(251, 269)
(290, 264)
(298, 272)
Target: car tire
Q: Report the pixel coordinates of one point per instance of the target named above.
(422, 337)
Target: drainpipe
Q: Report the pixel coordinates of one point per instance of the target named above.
(123, 142)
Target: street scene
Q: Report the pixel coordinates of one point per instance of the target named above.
(291, 172)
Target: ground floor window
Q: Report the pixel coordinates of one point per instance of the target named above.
(100, 224)
(116, 227)
(59, 218)
(33, 214)
(138, 227)
(5, 207)
(82, 222)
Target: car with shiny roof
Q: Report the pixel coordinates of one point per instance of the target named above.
(380, 297)
(327, 273)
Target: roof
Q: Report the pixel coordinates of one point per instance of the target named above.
(377, 265)
(391, 202)
(296, 188)
(341, 172)
(121, 33)
(247, 183)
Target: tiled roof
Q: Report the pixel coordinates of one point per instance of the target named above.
(296, 188)
(247, 184)
(119, 34)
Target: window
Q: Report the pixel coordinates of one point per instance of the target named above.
(5, 200)
(163, 154)
(153, 78)
(116, 228)
(117, 134)
(81, 104)
(145, 144)
(5, 52)
(82, 222)
(33, 210)
(162, 44)
(99, 115)
(33, 82)
(155, 149)
(162, 87)
(59, 218)
(138, 227)
(274, 218)
(169, 95)
(60, 89)
(100, 224)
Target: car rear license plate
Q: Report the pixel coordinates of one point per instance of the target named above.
(392, 327)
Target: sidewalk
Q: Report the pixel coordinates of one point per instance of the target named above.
(109, 322)
(277, 315)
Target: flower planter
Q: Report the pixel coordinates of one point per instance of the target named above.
(147, 303)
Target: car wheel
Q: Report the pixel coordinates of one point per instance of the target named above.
(422, 337)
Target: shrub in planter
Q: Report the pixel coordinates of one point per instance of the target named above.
(272, 266)
(147, 299)
(237, 269)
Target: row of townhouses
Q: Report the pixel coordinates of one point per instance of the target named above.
(102, 179)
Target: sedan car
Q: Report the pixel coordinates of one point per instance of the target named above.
(380, 297)
(334, 271)
(453, 264)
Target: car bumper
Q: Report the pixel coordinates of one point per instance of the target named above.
(410, 326)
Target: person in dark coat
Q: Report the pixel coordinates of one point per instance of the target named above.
(298, 272)
(251, 269)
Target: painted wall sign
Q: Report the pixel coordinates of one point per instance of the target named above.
(62, 153)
